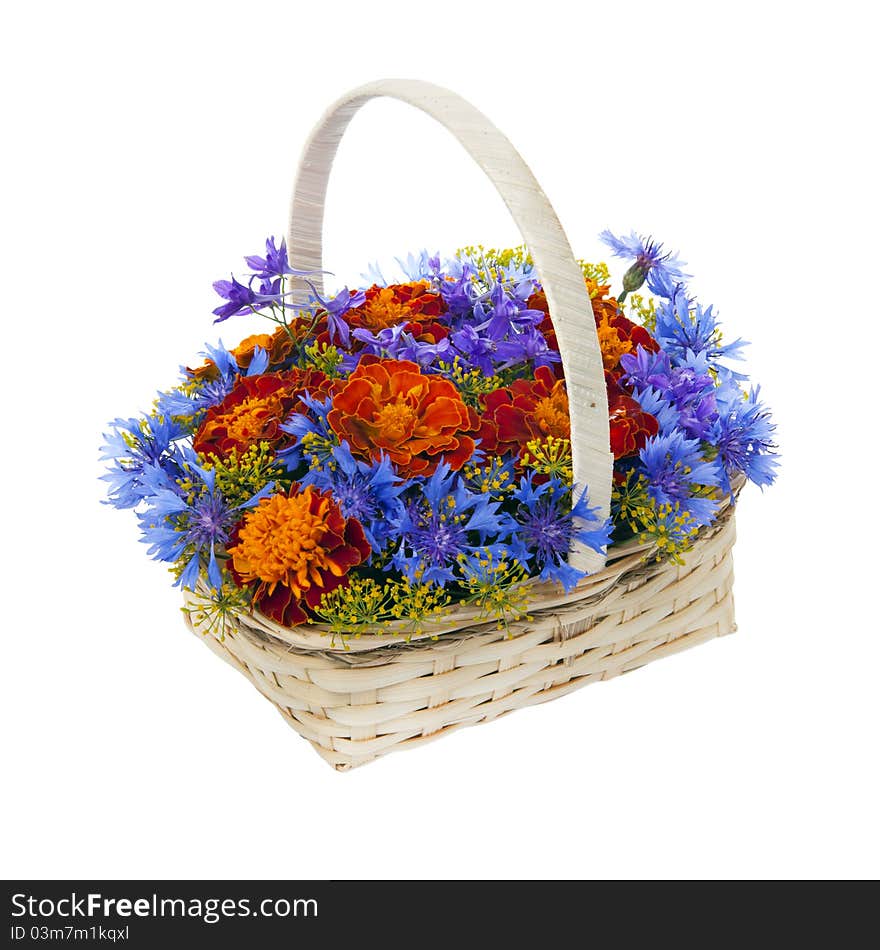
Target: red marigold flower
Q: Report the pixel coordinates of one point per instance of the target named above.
(525, 410)
(292, 549)
(254, 410)
(630, 425)
(413, 303)
(429, 332)
(538, 409)
(391, 407)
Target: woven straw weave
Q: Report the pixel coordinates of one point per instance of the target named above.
(355, 706)
(392, 688)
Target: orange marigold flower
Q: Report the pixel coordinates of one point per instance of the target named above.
(254, 410)
(611, 344)
(245, 350)
(278, 345)
(292, 549)
(208, 370)
(390, 407)
(621, 336)
(413, 303)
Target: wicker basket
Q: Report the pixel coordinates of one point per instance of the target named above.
(388, 690)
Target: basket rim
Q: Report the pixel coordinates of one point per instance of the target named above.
(317, 637)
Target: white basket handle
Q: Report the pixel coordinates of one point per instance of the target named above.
(559, 273)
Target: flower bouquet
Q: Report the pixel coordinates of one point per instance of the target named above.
(395, 463)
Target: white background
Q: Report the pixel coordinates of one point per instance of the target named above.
(148, 147)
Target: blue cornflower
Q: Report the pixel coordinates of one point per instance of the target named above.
(549, 525)
(692, 375)
(227, 364)
(369, 492)
(663, 271)
(696, 416)
(315, 440)
(225, 360)
(137, 449)
(689, 386)
(644, 368)
(691, 389)
(373, 276)
(656, 403)
(685, 327)
(442, 523)
(421, 266)
(189, 526)
(743, 436)
(674, 467)
(182, 405)
(197, 395)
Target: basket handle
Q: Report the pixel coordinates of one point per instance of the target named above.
(559, 273)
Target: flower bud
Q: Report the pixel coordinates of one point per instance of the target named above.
(633, 279)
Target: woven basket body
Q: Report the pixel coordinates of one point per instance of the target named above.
(395, 688)
(385, 693)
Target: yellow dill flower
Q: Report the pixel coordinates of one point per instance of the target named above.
(318, 450)
(241, 475)
(471, 383)
(350, 610)
(324, 357)
(214, 614)
(549, 456)
(642, 310)
(416, 602)
(596, 275)
(672, 530)
(496, 585)
(631, 505)
(492, 477)
(491, 264)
